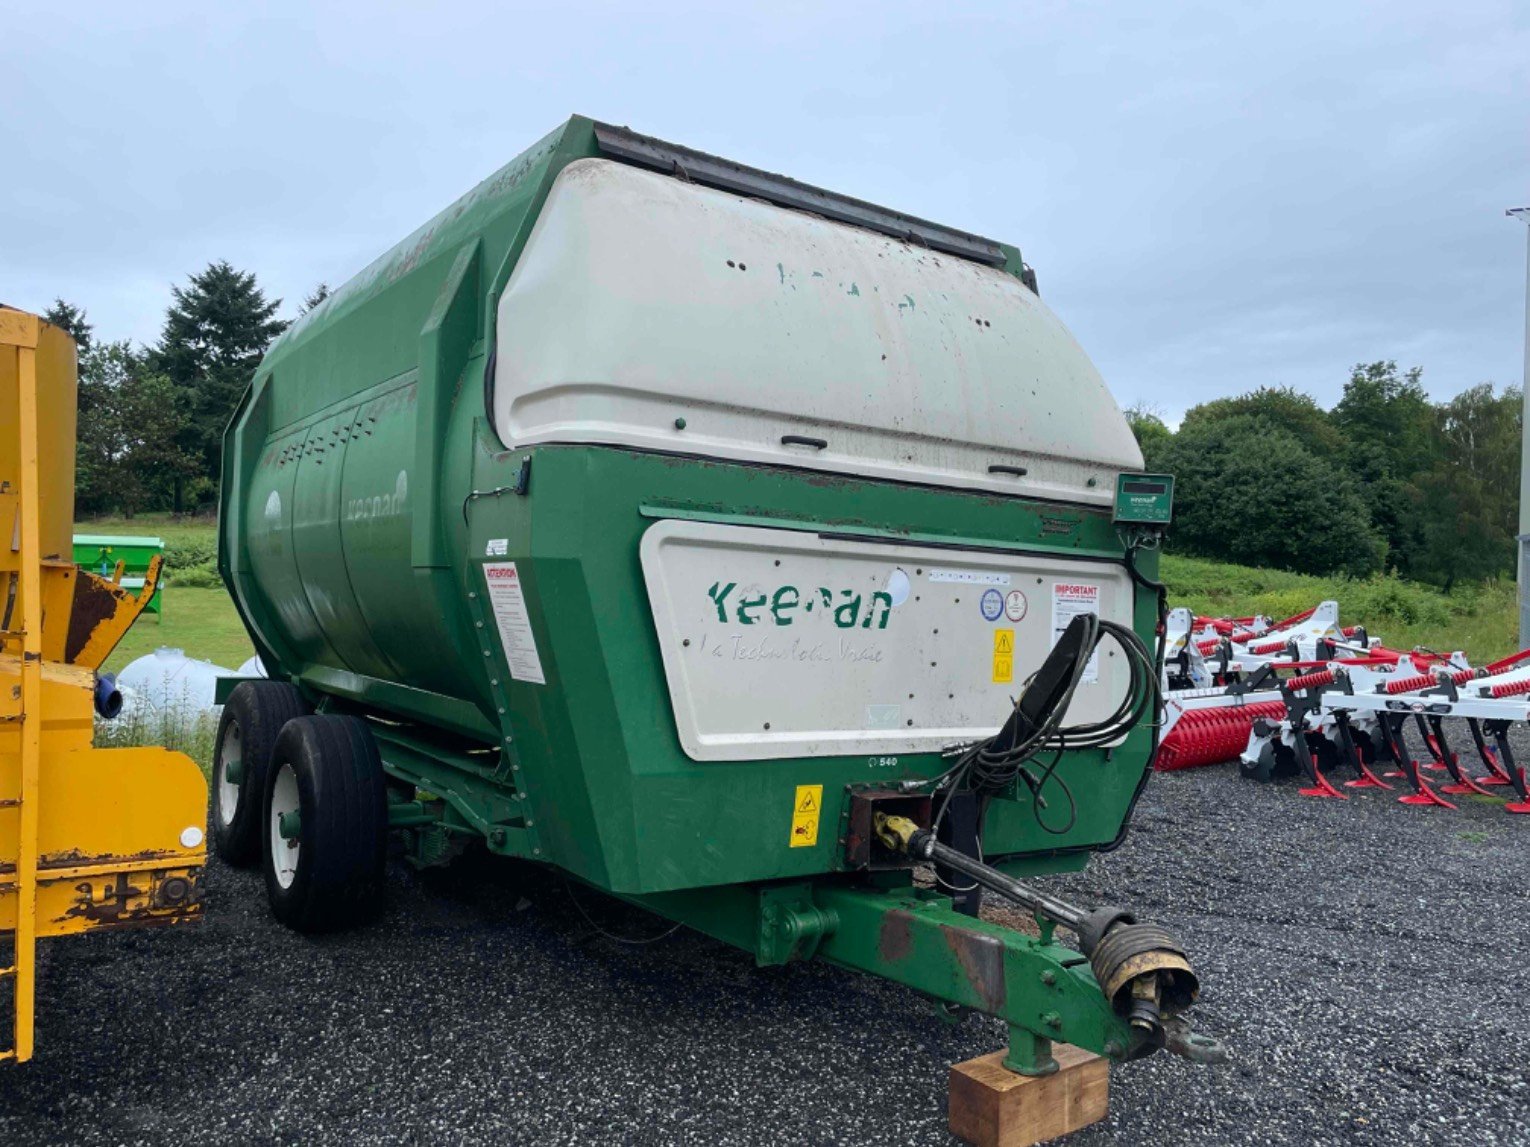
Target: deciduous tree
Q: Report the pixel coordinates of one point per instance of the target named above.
(1468, 501)
(127, 456)
(1251, 492)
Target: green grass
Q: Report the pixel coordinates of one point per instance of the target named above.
(166, 526)
(1480, 619)
(201, 622)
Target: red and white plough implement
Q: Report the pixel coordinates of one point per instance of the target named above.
(1219, 676)
(1305, 697)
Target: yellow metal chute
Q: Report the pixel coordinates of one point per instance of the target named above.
(89, 838)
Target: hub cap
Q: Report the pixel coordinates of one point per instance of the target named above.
(284, 803)
(230, 768)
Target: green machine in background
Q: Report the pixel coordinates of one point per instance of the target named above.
(102, 554)
(692, 530)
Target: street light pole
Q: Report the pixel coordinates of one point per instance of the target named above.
(1523, 215)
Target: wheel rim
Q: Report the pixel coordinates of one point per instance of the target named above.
(231, 751)
(284, 802)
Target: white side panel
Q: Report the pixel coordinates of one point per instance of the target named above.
(640, 299)
(779, 643)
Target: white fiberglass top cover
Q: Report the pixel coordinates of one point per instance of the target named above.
(641, 300)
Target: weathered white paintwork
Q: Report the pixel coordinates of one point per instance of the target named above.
(641, 299)
(854, 647)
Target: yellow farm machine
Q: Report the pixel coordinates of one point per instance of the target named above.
(90, 838)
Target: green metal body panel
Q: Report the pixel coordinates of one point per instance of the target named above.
(362, 488)
(1041, 988)
(614, 798)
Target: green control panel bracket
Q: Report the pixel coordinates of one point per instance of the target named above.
(1144, 498)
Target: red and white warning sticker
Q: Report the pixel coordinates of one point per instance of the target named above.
(1069, 599)
(508, 602)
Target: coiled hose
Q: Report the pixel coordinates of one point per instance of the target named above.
(1034, 726)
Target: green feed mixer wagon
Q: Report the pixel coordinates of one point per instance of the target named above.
(765, 558)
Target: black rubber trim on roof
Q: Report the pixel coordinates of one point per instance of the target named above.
(710, 171)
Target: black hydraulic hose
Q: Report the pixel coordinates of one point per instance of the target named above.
(991, 765)
(1163, 620)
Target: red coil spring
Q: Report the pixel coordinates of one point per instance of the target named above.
(1509, 688)
(1244, 634)
(1211, 736)
(1308, 680)
(1410, 684)
(1208, 647)
(1428, 681)
(1268, 646)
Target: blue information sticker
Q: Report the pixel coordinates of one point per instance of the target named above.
(992, 604)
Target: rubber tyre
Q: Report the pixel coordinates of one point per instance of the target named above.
(336, 879)
(251, 721)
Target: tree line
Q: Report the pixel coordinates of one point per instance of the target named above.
(151, 419)
(1386, 480)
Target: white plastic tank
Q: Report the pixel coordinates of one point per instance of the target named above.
(170, 682)
(254, 667)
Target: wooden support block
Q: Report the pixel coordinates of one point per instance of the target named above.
(991, 1106)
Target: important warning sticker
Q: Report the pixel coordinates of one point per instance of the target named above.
(806, 808)
(508, 602)
(1069, 599)
(1003, 656)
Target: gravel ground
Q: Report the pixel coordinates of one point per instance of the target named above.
(1365, 961)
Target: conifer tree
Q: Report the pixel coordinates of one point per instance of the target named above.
(218, 326)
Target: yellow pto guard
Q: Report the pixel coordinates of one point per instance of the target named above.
(89, 838)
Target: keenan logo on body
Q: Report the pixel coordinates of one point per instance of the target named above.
(787, 604)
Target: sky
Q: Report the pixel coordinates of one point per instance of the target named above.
(1214, 196)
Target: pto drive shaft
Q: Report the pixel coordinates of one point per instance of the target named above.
(1142, 969)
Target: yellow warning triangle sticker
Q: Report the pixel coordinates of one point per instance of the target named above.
(1003, 641)
(807, 803)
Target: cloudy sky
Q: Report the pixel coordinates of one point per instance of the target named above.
(1215, 196)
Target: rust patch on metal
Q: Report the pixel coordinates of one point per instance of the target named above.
(896, 940)
(158, 898)
(94, 602)
(982, 959)
(74, 858)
